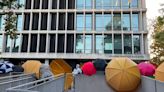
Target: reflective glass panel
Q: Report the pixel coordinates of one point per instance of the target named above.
(21, 2)
(88, 4)
(79, 4)
(99, 22)
(19, 22)
(8, 43)
(107, 22)
(80, 22)
(1, 42)
(88, 43)
(99, 44)
(98, 4)
(135, 22)
(2, 21)
(79, 44)
(107, 4)
(126, 22)
(15, 47)
(116, 4)
(117, 44)
(108, 45)
(136, 41)
(127, 44)
(126, 4)
(134, 3)
(88, 22)
(116, 21)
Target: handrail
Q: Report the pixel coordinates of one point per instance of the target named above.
(15, 76)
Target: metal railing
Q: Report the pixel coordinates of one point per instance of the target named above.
(50, 84)
(14, 80)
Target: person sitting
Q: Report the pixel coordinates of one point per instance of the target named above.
(77, 70)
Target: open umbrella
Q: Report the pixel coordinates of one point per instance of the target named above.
(32, 66)
(146, 68)
(122, 74)
(88, 68)
(159, 72)
(100, 64)
(6, 67)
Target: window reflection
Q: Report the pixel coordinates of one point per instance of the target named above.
(127, 44)
(88, 22)
(99, 44)
(88, 4)
(116, 21)
(79, 44)
(1, 42)
(79, 4)
(19, 22)
(80, 22)
(107, 22)
(8, 44)
(136, 41)
(126, 22)
(134, 3)
(88, 43)
(99, 4)
(126, 4)
(99, 22)
(15, 47)
(108, 45)
(107, 4)
(116, 4)
(21, 2)
(117, 44)
(135, 22)
(2, 21)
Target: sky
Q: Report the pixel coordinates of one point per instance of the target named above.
(152, 12)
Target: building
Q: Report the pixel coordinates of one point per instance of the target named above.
(78, 29)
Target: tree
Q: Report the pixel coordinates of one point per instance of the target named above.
(158, 39)
(8, 7)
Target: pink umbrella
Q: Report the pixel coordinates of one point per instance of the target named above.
(146, 68)
(88, 68)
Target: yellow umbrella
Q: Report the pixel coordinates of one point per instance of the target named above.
(159, 73)
(32, 66)
(122, 74)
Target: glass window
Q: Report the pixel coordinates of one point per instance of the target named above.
(107, 4)
(116, 21)
(33, 46)
(99, 22)
(88, 22)
(117, 44)
(134, 3)
(88, 43)
(79, 44)
(42, 44)
(19, 22)
(127, 44)
(107, 22)
(80, 22)
(125, 4)
(16, 44)
(136, 41)
(88, 4)
(79, 4)
(108, 45)
(126, 22)
(1, 42)
(135, 22)
(8, 44)
(21, 2)
(116, 4)
(2, 21)
(99, 44)
(24, 43)
(99, 4)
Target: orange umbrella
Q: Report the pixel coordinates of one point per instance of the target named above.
(32, 66)
(122, 74)
(159, 73)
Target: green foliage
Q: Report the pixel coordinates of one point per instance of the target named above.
(158, 40)
(10, 20)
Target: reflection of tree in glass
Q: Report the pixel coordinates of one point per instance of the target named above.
(79, 38)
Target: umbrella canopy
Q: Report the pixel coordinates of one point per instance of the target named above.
(6, 66)
(88, 68)
(100, 64)
(32, 66)
(45, 71)
(122, 74)
(159, 72)
(146, 68)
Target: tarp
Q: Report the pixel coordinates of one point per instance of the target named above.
(159, 72)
